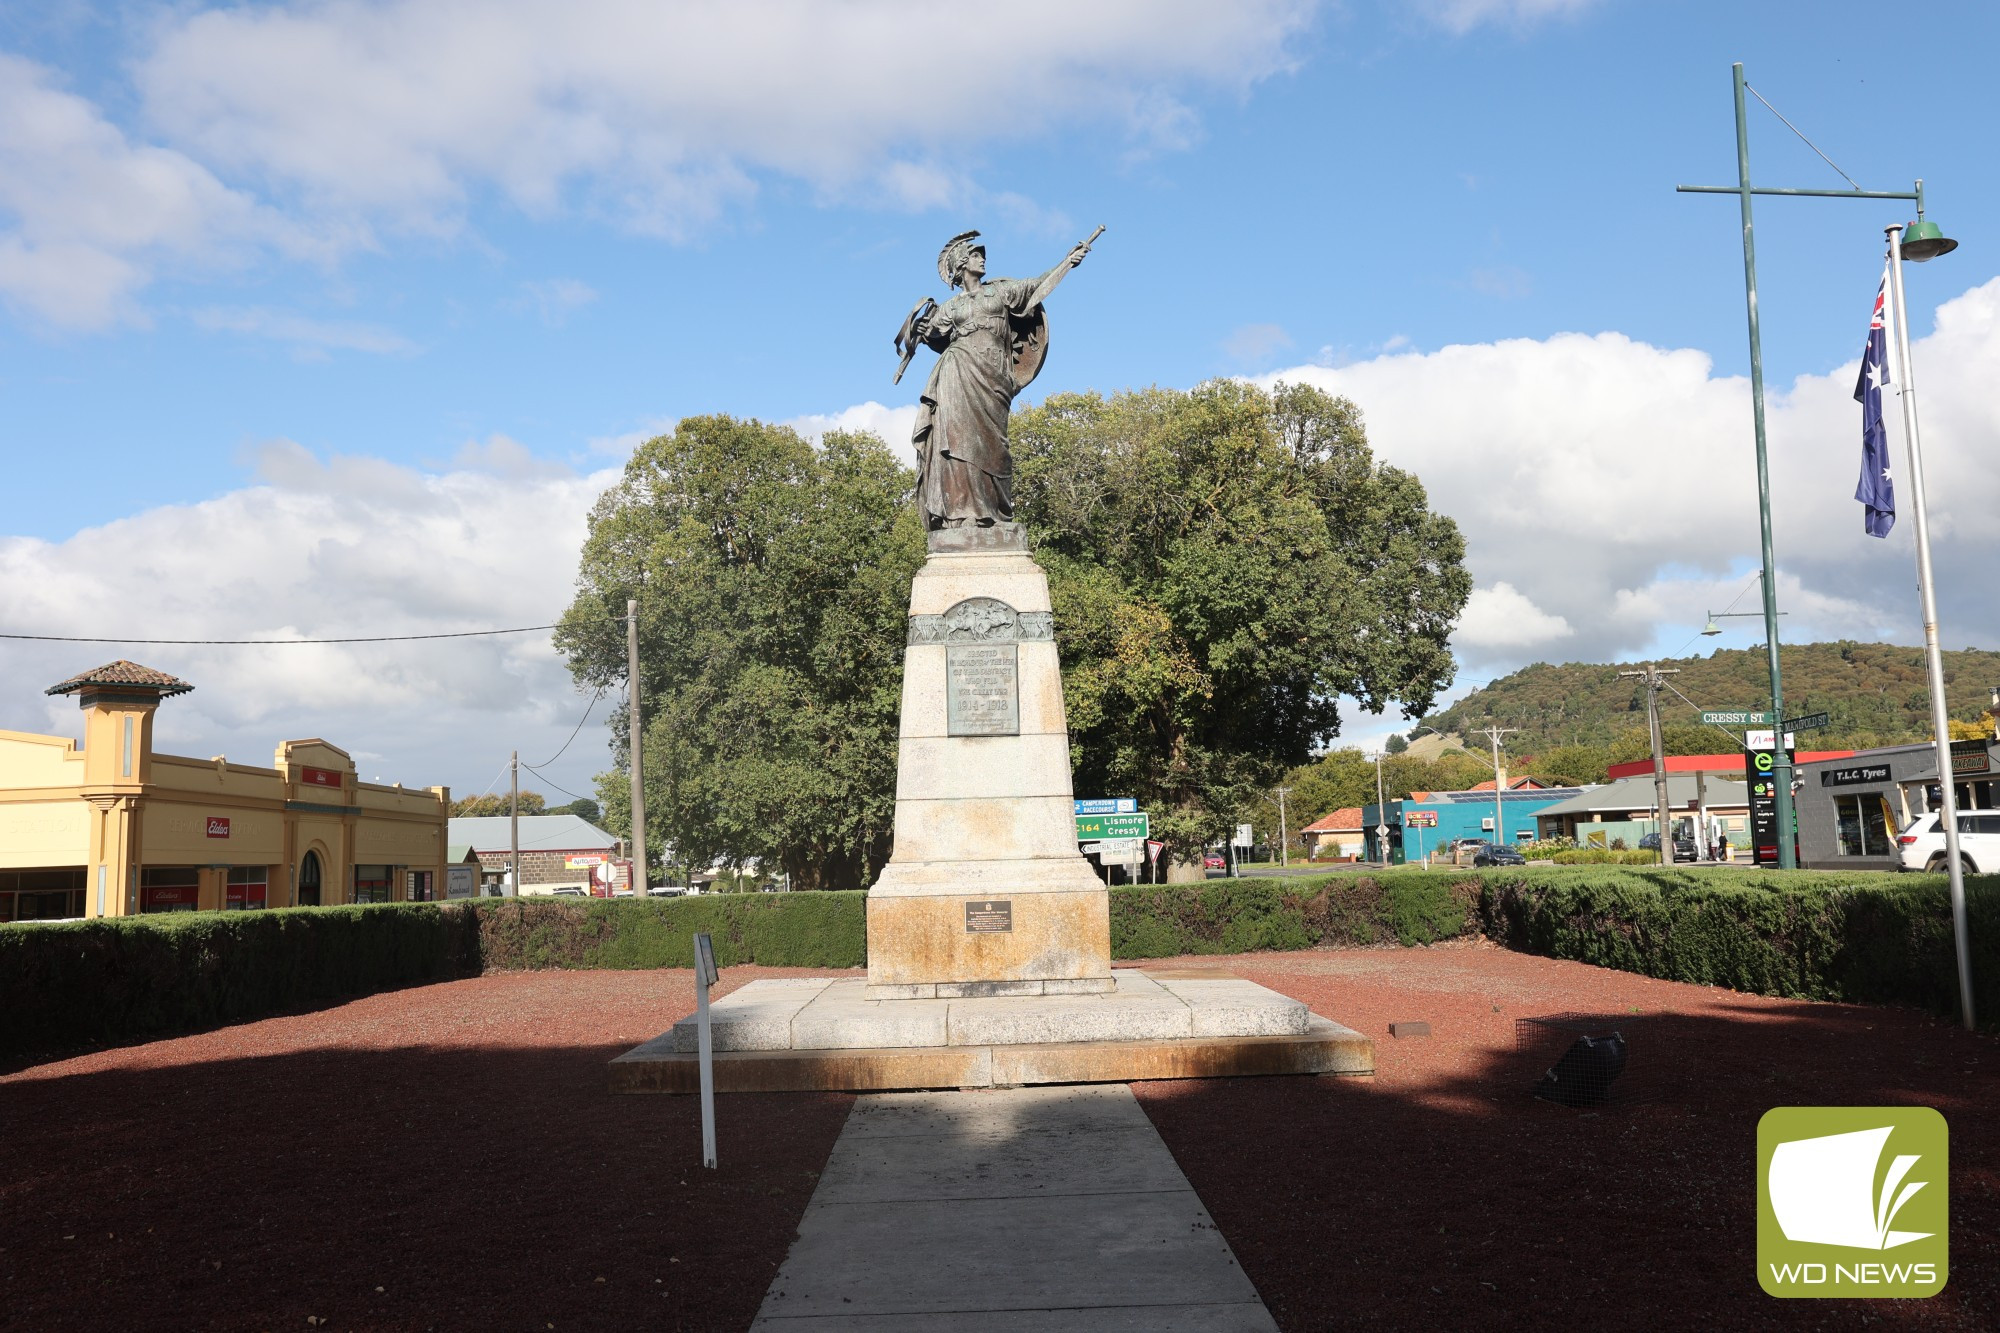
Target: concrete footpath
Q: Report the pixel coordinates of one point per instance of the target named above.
(1023, 1210)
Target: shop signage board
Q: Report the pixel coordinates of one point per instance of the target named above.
(583, 860)
(1734, 717)
(320, 777)
(1970, 757)
(1421, 818)
(218, 826)
(1768, 740)
(1760, 767)
(1112, 805)
(1854, 775)
(1095, 828)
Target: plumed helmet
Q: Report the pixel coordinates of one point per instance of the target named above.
(952, 258)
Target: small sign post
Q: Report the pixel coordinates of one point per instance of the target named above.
(705, 976)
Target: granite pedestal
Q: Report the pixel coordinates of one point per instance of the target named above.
(985, 892)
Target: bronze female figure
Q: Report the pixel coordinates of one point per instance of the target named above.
(990, 339)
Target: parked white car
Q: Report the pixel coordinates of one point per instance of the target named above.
(1921, 845)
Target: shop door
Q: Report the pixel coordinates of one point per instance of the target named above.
(309, 880)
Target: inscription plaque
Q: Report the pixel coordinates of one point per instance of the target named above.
(990, 917)
(982, 690)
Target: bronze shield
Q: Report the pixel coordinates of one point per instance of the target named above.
(1030, 346)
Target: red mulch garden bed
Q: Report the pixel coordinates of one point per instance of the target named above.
(1439, 1194)
(447, 1157)
(444, 1157)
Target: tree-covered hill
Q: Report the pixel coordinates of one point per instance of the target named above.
(1875, 693)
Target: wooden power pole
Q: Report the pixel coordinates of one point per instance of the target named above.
(637, 744)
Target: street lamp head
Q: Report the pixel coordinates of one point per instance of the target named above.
(1711, 629)
(1924, 240)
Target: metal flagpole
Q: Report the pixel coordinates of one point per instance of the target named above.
(1940, 718)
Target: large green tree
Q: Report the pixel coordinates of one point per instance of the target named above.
(1226, 563)
(773, 582)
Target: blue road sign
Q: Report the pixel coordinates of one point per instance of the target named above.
(1115, 805)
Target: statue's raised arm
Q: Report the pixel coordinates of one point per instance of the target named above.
(1047, 282)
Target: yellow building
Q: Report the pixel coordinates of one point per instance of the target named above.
(106, 827)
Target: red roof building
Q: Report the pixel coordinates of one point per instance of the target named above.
(1334, 836)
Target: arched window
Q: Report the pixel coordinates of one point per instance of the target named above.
(309, 880)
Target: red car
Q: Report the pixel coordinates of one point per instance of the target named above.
(1214, 861)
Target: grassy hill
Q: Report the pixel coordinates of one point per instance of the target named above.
(1875, 692)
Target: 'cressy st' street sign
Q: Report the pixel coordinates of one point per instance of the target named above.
(1096, 828)
(1734, 717)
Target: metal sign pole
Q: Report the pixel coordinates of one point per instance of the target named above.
(704, 977)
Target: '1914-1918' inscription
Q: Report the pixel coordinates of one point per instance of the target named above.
(982, 690)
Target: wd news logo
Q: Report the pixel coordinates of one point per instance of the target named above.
(1851, 1201)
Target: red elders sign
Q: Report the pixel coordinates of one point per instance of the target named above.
(218, 827)
(320, 777)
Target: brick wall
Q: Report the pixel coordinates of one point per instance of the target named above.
(539, 867)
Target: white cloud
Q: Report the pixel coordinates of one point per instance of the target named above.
(310, 338)
(1462, 16)
(1500, 617)
(661, 115)
(309, 128)
(328, 548)
(87, 216)
(1612, 485)
(892, 424)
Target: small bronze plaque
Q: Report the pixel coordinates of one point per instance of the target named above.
(993, 917)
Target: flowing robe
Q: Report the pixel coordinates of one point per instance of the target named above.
(966, 474)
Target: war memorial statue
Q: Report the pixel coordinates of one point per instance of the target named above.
(991, 339)
(989, 933)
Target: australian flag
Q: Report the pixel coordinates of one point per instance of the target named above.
(1875, 490)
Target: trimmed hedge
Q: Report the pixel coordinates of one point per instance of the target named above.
(1861, 937)
(1808, 935)
(74, 983)
(1248, 915)
(806, 929)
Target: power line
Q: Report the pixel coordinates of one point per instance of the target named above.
(565, 790)
(278, 643)
(573, 734)
(496, 782)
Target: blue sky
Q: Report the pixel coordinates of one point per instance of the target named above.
(329, 319)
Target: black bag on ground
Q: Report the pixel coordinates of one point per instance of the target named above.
(1584, 1075)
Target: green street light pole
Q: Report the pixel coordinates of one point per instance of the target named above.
(1781, 761)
